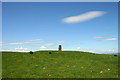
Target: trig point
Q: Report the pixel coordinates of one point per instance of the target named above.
(60, 48)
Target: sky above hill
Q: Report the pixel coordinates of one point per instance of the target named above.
(31, 26)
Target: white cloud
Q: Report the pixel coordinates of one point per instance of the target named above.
(109, 39)
(98, 37)
(21, 48)
(42, 47)
(107, 51)
(23, 51)
(78, 48)
(83, 17)
(49, 44)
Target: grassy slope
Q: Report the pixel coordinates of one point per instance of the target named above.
(65, 64)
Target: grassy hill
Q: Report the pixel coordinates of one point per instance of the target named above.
(64, 64)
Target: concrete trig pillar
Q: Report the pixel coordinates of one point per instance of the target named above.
(60, 48)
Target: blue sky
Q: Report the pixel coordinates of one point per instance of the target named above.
(89, 26)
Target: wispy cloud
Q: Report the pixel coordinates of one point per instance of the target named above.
(26, 42)
(14, 43)
(98, 37)
(35, 40)
(48, 44)
(34, 45)
(60, 41)
(1, 42)
(83, 17)
(17, 43)
(109, 39)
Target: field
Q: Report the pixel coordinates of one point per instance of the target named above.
(64, 64)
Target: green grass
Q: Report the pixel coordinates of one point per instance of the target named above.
(64, 64)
